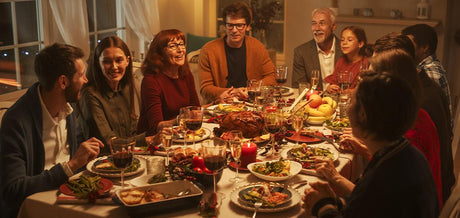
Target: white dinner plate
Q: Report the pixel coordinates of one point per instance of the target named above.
(295, 168)
(234, 197)
(141, 168)
(285, 155)
(206, 135)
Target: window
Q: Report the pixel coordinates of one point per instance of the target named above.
(274, 36)
(18, 46)
(109, 20)
(21, 36)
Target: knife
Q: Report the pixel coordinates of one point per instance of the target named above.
(328, 140)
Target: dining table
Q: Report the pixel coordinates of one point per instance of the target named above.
(45, 204)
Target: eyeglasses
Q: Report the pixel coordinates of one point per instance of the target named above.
(175, 46)
(239, 26)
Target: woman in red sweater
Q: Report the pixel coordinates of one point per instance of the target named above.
(168, 82)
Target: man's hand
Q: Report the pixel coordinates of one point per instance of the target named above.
(86, 152)
(333, 89)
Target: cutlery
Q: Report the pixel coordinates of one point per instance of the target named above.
(180, 194)
(328, 140)
(256, 207)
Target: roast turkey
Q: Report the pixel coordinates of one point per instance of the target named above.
(249, 122)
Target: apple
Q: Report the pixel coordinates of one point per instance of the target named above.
(316, 100)
(311, 92)
(198, 161)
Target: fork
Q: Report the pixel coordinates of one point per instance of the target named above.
(256, 207)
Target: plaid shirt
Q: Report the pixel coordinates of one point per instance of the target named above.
(433, 68)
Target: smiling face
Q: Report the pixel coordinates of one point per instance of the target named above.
(175, 52)
(349, 43)
(235, 37)
(113, 63)
(322, 28)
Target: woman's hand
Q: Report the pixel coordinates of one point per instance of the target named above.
(318, 191)
(352, 144)
(340, 185)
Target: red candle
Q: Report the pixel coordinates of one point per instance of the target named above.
(248, 154)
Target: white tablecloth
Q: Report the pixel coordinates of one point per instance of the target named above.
(44, 204)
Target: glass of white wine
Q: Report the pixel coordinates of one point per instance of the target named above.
(314, 79)
(297, 123)
(235, 141)
(166, 140)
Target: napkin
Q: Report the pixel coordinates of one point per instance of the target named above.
(68, 199)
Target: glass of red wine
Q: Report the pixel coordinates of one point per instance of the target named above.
(215, 156)
(273, 123)
(254, 89)
(281, 77)
(122, 155)
(193, 117)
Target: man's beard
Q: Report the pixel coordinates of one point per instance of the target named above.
(71, 94)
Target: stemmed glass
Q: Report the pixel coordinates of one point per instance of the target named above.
(273, 123)
(166, 139)
(181, 121)
(297, 123)
(235, 141)
(214, 154)
(122, 156)
(254, 89)
(314, 79)
(281, 76)
(193, 119)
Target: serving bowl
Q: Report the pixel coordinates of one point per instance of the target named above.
(295, 168)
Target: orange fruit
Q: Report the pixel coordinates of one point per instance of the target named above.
(316, 100)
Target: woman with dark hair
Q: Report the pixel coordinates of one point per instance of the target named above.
(109, 106)
(397, 182)
(168, 83)
(355, 52)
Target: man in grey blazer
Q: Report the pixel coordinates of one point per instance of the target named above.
(320, 53)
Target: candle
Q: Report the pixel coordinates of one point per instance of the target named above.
(248, 154)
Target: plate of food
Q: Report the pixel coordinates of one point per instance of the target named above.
(81, 187)
(305, 155)
(226, 108)
(200, 135)
(305, 136)
(277, 170)
(337, 124)
(274, 197)
(104, 166)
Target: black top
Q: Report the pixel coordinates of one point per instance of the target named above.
(434, 102)
(397, 182)
(236, 65)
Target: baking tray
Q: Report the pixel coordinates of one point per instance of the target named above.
(166, 205)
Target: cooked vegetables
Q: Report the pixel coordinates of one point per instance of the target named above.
(304, 153)
(275, 168)
(338, 124)
(266, 195)
(85, 186)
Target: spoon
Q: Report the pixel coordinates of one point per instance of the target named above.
(180, 194)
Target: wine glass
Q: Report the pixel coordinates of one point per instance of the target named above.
(235, 141)
(193, 119)
(254, 89)
(122, 156)
(344, 80)
(297, 123)
(166, 139)
(281, 77)
(314, 79)
(214, 155)
(181, 121)
(273, 122)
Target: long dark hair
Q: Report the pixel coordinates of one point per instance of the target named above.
(360, 34)
(155, 61)
(95, 76)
